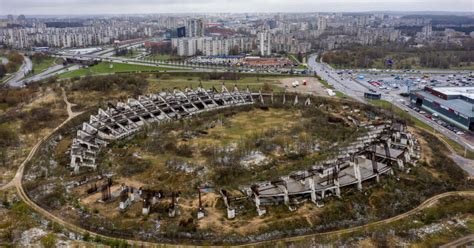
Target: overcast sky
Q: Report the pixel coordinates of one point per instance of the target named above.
(78, 7)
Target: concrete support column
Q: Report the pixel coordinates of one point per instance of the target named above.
(338, 188)
(357, 174)
(401, 166)
(312, 188)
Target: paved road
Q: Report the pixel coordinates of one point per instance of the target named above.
(25, 68)
(346, 85)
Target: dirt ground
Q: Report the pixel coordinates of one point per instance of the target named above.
(313, 86)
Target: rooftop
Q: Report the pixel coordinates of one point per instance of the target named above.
(451, 91)
(463, 107)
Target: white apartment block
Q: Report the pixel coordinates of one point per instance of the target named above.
(210, 46)
(264, 43)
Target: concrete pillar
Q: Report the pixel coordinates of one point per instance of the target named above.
(338, 188)
(146, 210)
(257, 201)
(357, 174)
(401, 166)
(230, 213)
(286, 198)
(310, 182)
(296, 100)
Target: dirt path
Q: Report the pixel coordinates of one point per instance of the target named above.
(459, 242)
(16, 181)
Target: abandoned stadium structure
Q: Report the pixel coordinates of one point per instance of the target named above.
(125, 119)
(383, 147)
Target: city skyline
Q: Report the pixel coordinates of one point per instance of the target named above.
(88, 7)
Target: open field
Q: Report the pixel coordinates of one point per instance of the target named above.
(161, 57)
(182, 82)
(109, 68)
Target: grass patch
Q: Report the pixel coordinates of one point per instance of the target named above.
(458, 148)
(105, 68)
(293, 58)
(161, 57)
(39, 67)
(182, 82)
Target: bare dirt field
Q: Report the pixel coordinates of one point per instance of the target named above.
(313, 86)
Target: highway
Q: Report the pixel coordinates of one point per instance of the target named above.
(346, 85)
(26, 67)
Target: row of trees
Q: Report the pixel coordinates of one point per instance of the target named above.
(134, 83)
(402, 57)
(14, 62)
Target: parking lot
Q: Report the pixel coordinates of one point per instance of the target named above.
(395, 86)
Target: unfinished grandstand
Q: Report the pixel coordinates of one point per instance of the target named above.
(384, 146)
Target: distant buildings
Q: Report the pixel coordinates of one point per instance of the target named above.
(67, 37)
(322, 23)
(427, 31)
(263, 34)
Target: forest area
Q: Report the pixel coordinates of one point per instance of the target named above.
(403, 57)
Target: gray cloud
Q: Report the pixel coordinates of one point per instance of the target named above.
(185, 6)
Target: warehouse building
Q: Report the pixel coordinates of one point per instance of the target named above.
(453, 104)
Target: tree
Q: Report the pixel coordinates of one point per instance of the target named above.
(300, 57)
(8, 138)
(3, 70)
(234, 50)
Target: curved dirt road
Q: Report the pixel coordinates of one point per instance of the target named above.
(72, 227)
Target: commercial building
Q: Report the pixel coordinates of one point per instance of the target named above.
(453, 104)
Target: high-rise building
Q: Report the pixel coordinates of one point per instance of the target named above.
(322, 23)
(194, 28)
(264, 43)
(181, 32)
(427, 31)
